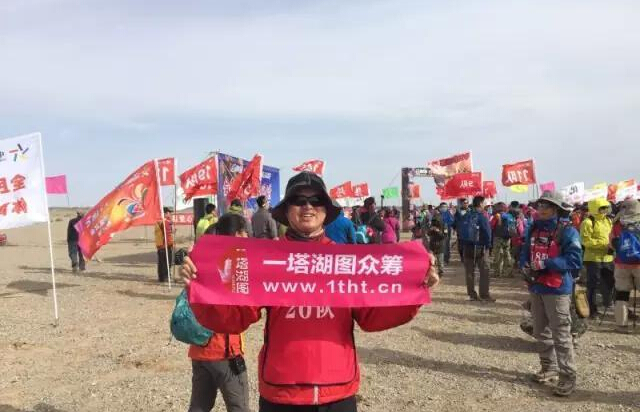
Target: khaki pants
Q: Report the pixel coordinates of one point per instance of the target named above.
(502, 263)
(552, 328)
(626, 279)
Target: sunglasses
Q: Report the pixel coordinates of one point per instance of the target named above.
(314, 201)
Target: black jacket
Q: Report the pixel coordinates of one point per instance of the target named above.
(72, 233)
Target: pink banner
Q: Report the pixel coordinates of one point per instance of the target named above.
(57, 185)
(547, 187)
(259, 272)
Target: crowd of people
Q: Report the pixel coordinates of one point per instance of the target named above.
(553, 246)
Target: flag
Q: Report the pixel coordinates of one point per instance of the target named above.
(167, 170)
(247, 184)
(360, 190)
(57, 185)
(444, 169)
(489, 189)
(342, 191)
(522, 173)
(23, 195)
(547, 187)
(463, 185)
(134, 202)
(200, 180)
(519, 188)
(414, 191)
(611, 192)
(626, 190)
(391, 193)
(313, 166)
(574, 193)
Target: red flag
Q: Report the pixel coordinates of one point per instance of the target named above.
(443, 169)
(463, 185)
(247, 184)
(56, 185)
(522, 173)
(361, 190)
(414, 191)
(342, 191)
(167, 170)
(313, 166)
(611, 192)
(489, 189)
(134, 202)
(200, 180)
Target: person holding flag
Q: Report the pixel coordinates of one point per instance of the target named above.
(164, 230)
(306, 363)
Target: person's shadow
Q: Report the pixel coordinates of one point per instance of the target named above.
(41, 407)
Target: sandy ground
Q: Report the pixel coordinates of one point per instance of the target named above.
(112, 352)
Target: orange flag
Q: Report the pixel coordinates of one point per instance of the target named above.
(135, 202)
(247, 184)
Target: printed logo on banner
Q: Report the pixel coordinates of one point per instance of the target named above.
(234, 271)
(20, 153)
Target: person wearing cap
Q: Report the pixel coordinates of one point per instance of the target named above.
(75, 254)
(550, 253)
(627, 267)
(598, 256)
(164, 230)
(264, 227)
(307, 362)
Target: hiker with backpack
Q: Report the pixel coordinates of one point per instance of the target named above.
(475, 235)
(625, 239)
(437, 235)
(371, 225)
(598, 256)
(550, 254)
(503, 226)
(462, 209)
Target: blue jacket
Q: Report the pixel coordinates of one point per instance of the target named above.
(570, 259)
(485, 229)
(341, 230)
(447, 219)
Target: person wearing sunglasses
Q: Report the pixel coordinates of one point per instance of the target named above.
(308, 361)
(551, 253)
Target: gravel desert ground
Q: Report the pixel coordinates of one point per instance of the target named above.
(112, 350)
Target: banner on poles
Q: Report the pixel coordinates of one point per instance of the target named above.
(598, 191)
(229, 167)
(134, 202)
(167, 170)
(314, 166)
(463, 185)
(360, 190)
(258, 272)
(182, 219)
(626, 190)
(521, 173)
(444, 169)
(56, 185)
(574, 193)
(200, 180)
(22, 185)
(345, 190)
(489, 189)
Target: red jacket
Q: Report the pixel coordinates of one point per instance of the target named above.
(309, 354)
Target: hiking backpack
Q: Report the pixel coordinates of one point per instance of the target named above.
(628, 250)
(470, 228)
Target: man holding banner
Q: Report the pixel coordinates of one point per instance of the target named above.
(309, 356)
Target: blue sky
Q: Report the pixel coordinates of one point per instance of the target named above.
(369, 86)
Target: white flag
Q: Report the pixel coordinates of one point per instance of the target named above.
(22, 185)
(573, 193)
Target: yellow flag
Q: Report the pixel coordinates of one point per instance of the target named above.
(519, 188)
(600, 186)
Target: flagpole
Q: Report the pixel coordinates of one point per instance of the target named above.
(175, 208)
(164, 226)
(53, 271)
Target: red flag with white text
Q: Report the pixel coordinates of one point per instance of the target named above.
(463, 185)
(167, 170)
(489, 189)
(200, 180)
(342, 191)
(360, 190)
(247, 184)
(521, 173)
(314, 166)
